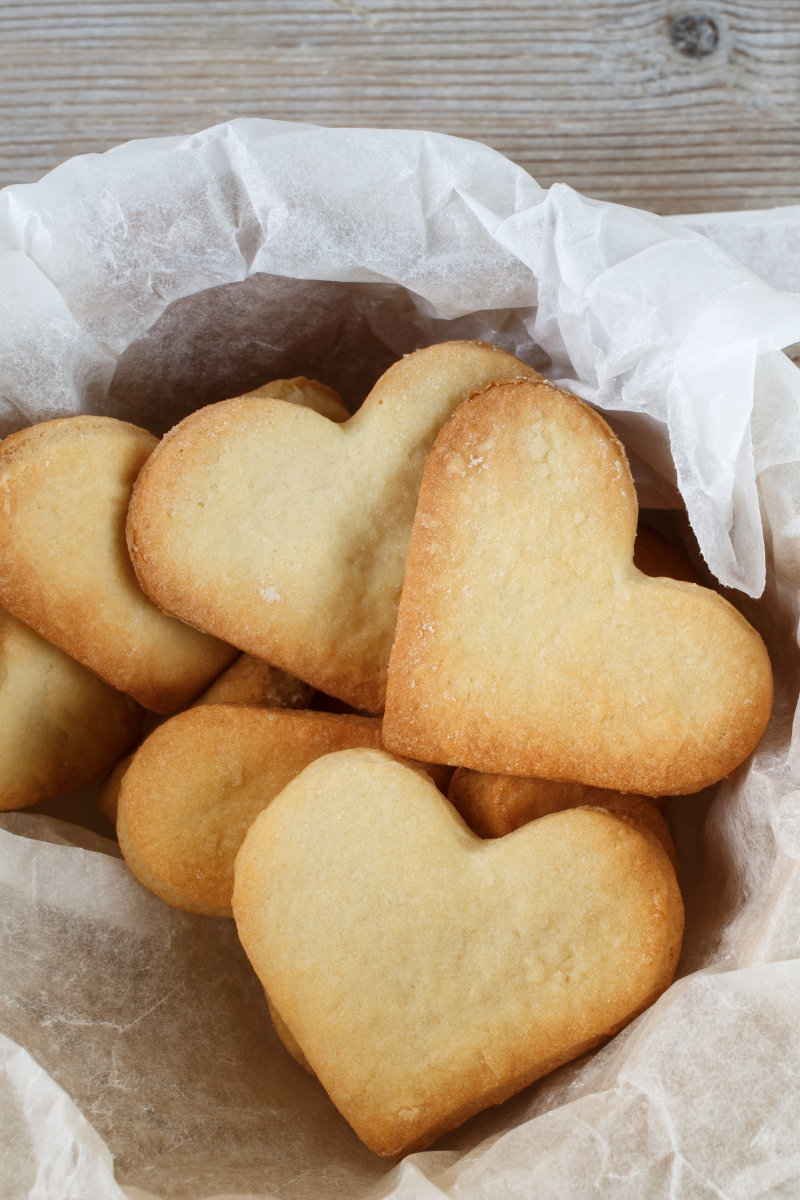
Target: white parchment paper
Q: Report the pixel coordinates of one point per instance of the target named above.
(172, 273)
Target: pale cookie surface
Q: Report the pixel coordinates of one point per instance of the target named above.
(64, 566)
(495, 805)
(60, 726)
(199, 781)
(426, 974)
(528, 643)
(286, 534)
(306, 392)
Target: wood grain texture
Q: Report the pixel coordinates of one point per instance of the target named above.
(592, 93)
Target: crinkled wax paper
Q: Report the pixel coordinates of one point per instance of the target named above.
(137, 1057)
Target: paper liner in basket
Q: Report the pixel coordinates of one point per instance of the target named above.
(175, 272)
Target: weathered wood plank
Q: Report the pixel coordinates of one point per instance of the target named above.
(591, 93)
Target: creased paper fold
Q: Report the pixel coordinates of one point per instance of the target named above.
(638, 313)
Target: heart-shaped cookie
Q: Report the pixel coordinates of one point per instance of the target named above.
(286, 534)
(64, 565)
(528, 643)
(426, 974)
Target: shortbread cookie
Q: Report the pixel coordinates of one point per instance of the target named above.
(426, 974)
(200, 780)
(248, 680)
(496, 805)
(286, 534)
(64, 566)
(306, 392)
(528, 643)
(655, 555)
(60, 726)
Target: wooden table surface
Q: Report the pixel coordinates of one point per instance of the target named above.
(592, 93)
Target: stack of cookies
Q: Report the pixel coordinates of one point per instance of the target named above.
(426, 689)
